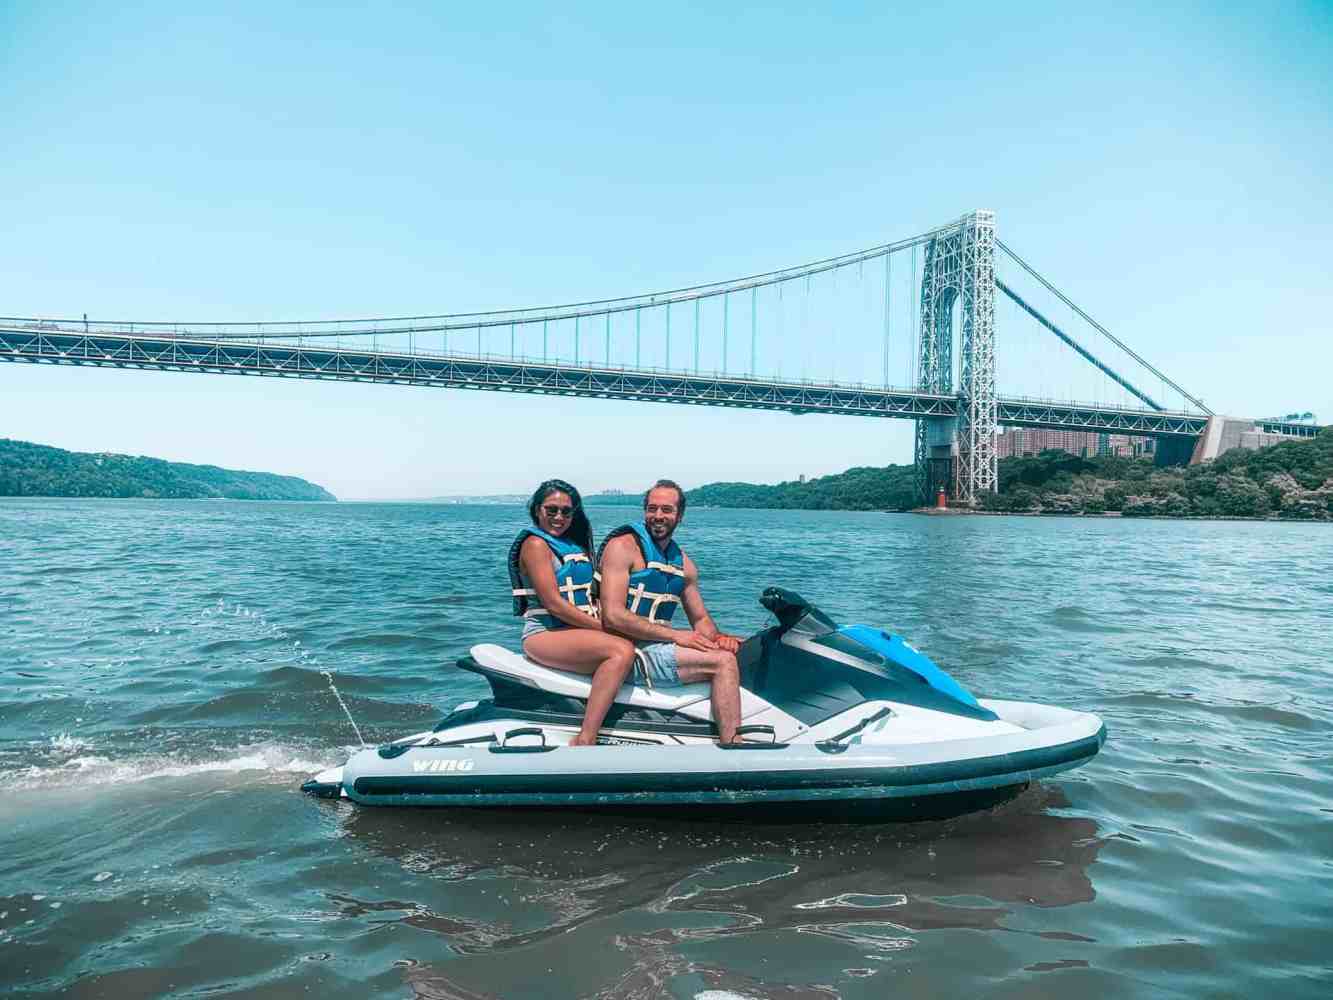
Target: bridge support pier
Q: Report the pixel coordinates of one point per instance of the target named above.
(959, 455)
(1174, 450)
(936, 459)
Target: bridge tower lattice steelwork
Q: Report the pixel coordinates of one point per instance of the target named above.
(957, 454)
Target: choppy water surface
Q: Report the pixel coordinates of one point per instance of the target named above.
(165, 686)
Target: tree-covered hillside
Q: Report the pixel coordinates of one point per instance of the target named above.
(863, 488)
(34, 470)
(1293, 479)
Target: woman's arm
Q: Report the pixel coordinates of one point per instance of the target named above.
(535, 558)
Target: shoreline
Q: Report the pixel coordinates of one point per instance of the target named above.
(948, 511)
(920, 511)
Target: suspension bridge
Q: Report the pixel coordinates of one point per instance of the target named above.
(954, 310)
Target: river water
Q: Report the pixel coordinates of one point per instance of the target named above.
(165, 675)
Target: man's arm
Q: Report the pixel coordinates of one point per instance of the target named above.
(617, 559)
(700, 620)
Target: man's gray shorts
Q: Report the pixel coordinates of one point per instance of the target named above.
(656, 664)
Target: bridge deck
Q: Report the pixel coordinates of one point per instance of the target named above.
(168, 353)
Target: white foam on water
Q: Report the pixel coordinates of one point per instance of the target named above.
(98, 770)
(65, 743)
(856, 900)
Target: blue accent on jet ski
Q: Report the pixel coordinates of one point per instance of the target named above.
(896, 650)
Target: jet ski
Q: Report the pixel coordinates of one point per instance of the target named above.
(832, 715)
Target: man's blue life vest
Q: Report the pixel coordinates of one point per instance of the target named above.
(654, 591)
(573, 578)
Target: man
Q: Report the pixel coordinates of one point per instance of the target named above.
(644, 576)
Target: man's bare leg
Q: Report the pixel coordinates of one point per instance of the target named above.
(719, 668)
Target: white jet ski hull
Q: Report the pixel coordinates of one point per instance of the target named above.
(530, 774)
(831, 716)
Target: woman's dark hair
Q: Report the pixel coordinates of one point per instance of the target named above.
(579, 530)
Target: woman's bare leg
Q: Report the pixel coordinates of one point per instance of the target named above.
(608, 658)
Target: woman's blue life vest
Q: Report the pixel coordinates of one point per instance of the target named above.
(654, 591)
(573, 578)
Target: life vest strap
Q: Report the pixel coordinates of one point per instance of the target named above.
(641, 669)
(639, 593)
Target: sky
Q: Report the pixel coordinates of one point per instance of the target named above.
(1167, 166)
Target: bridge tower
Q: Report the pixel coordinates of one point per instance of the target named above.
(957, 454)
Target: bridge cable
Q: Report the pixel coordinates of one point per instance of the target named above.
(888, 278)
(503, 317)
(1087, 355)
(1107, 333)
(754, 328)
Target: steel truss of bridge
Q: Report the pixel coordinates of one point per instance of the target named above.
(167, 353)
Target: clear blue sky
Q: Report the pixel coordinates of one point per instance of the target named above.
(1170, 169)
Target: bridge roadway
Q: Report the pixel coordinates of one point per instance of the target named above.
(63, 346)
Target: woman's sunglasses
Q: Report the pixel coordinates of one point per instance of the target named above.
(553, 511)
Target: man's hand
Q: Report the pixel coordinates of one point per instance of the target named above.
(690, 639)
(728, 642)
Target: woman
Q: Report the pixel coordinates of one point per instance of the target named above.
(550, 570)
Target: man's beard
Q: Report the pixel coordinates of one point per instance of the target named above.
(663, 538)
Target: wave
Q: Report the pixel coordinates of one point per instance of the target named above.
(1249, 711)
(1071, 618)
(85, 769)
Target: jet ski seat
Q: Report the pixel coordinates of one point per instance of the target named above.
(515, 667)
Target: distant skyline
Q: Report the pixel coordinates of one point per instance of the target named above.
(1167, 168)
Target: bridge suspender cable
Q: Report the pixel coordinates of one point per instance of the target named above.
(1101, 329)
(444, 322)
(1073, 343)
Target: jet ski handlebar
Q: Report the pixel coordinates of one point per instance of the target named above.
(792, 609)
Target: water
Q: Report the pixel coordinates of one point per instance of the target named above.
(163, 693)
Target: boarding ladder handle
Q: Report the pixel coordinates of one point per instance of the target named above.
(504, 747)
(772, 743)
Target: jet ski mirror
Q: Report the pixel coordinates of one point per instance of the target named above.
(794, 611)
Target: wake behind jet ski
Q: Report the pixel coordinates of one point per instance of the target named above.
(831, 715)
